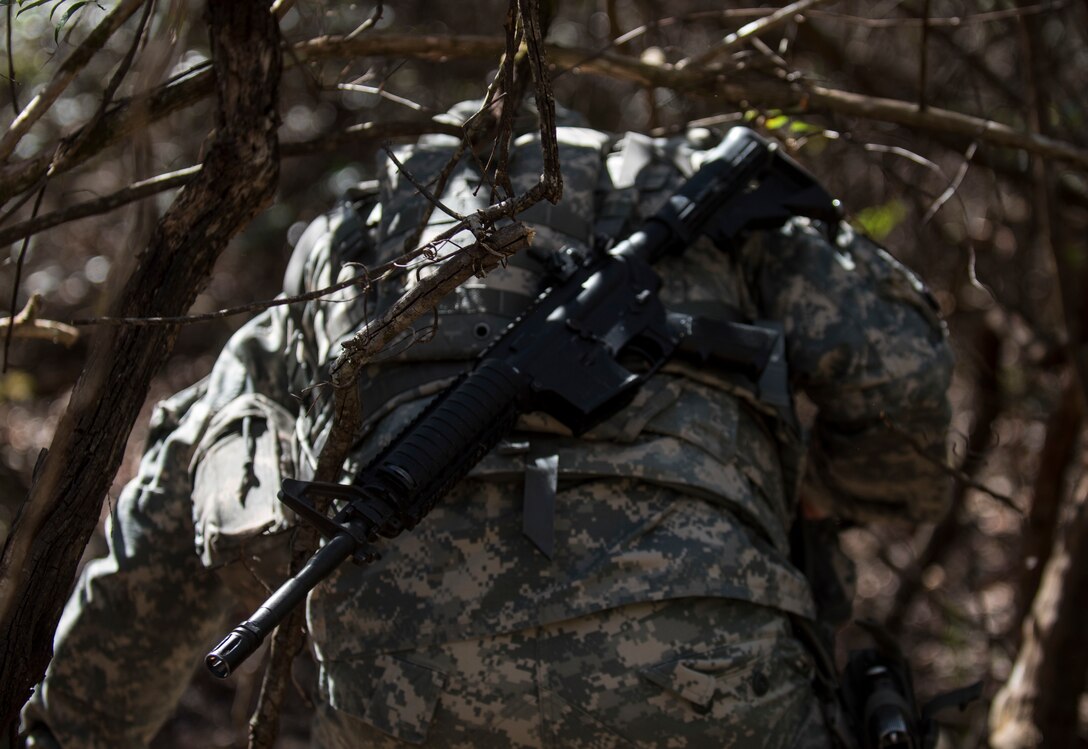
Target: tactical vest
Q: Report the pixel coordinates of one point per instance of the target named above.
(680, 431)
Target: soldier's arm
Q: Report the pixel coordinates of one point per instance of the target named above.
(140, 619)
(865, 344)
(132, 629)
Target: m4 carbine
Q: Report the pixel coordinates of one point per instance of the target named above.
(578, 354)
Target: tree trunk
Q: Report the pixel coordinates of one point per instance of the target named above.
(1041, 527)
(1038, 705)
(238, 179)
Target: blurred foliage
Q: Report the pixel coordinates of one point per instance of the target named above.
(879, 221)
(16, 386)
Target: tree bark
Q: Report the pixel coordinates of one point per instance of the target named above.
(1037, 707)
(238, 179)
(1041, 527)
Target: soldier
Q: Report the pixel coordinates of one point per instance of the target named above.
(650, 598)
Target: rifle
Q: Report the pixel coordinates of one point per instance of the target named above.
(877, 691)
(600, 316)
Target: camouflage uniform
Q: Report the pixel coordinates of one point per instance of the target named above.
(654, 608)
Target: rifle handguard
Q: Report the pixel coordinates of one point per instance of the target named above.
(391, 495)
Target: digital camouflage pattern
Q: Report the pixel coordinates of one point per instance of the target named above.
(660, 617)
(626, 676)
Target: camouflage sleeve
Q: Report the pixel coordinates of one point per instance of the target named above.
(134, 627)
(141, 618)
(865, 344)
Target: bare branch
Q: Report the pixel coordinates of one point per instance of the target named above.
(27, 325)
(12, 90)
(421, 189)
(136, 191)
(923, 56)
(954, 185)
(512, 92)
(379, 91)
(771, 93)
(362, 133)
(18, 280)
(551, 182)
(369, 23)
(749, 31)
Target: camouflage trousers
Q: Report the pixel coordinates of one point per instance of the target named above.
(682, 673)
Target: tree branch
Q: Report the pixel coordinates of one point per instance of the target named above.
(363, 133)
(27, 325)
(38, 563)
(750, 31)
(768, 93)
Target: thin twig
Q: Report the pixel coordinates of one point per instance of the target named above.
(17, 281)
(469, 131)
(420, 188)
(512, 92)
(489, 251)
(744, 33)
(923, 56)
(380, 91)
(362, 282)
(947, 22)
(11, 64)
(908, 155)
(551, 182)
(136, 191)
(952, 471)
(954, 185)
(27, 325)
(74, 144)
(370, 22)
(363, 132)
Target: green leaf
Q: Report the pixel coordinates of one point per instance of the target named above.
(76, 7)
(776, 122)
(879, 221)
(32, 5)
(803, 128)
